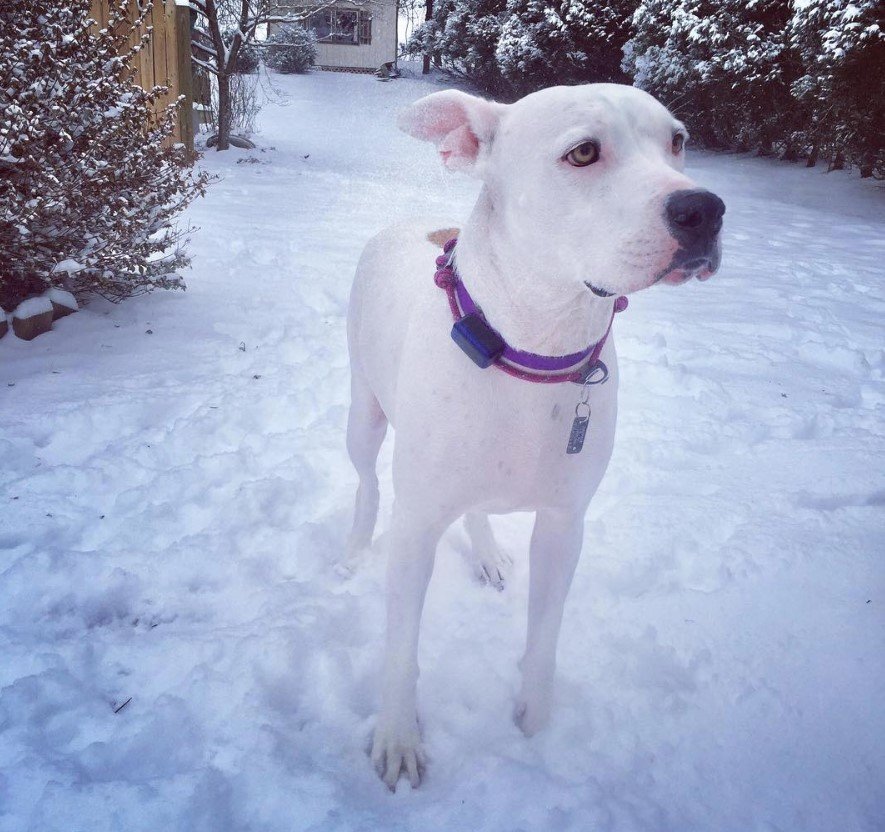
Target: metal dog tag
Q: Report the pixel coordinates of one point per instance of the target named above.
(579, 432)
(582, 412)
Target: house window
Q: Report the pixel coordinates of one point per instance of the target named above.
(350, 26)
(365, 27)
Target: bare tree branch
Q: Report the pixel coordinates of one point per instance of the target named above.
(233, 24)
(207, 66)
(204, 49)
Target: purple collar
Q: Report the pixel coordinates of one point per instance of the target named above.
(529, 366)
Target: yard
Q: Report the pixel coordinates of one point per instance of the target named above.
(181, 652)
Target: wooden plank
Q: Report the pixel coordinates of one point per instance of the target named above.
(169, 50)
(145, 61)
(120, 32)
(158, 50)
(172, 47)
(161, 43)
(124, 29)
(99, 12)
(183, 76)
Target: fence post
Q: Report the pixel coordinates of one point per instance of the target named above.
(182, 76)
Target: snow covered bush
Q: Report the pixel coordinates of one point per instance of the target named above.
(796, 78)
(291, 48)
(722, 67)
(513, 47)
(463, 37)
(841, 46)
(545, 43)
(89, 183)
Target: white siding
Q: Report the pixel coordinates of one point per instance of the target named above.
(381, 50)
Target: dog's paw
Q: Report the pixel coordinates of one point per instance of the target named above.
(531, 718)
(492, 566)
(352, 561)
(396, 750)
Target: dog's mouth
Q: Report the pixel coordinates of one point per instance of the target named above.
(600, 293)
(684, 266)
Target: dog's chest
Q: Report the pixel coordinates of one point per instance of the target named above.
(502, 443)
(550, 446)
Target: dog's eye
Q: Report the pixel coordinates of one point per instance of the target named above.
(678, 143)
(584, 154)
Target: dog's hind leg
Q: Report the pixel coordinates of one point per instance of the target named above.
(554, 552)
(490, 564)
(366, 427)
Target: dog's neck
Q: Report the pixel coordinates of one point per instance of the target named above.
(504, 275)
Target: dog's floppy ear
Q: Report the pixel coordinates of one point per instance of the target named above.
(461, 126)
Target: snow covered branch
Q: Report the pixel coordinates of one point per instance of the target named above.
(88, 174)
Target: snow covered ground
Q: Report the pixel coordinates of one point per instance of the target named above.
(178, 652)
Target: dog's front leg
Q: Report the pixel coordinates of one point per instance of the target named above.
(397, 742)
(555, 548)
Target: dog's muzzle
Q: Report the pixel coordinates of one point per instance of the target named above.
(694, 218)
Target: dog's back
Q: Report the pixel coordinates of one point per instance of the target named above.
(393, 287)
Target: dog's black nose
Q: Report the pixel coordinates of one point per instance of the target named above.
(694, 218)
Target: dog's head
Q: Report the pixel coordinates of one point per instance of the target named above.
(590, 177)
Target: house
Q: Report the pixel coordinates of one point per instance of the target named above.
(354, 35)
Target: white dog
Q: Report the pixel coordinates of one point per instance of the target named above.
(583, 200)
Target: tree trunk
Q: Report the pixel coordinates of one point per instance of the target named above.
(427, 16)
(866, 166)
(224, 113)
(837, 162)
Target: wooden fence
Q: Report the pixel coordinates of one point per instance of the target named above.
(166, 60)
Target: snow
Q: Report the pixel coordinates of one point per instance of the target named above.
(68, 265)
(32, 306)
(62, 298)
(179, 651)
